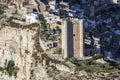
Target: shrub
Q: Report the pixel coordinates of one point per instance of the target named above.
(15, 71)
(58, 28)
(11, 68)
(97, 56)
(58, 50)
(46, 36)
(43, 25)
(91, 66)
(1, 69)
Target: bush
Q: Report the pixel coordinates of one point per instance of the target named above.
(15, 71)
(46, 36)
(58, 50)
(91, 66)
(43, 25)
(58, 28)
(11, 68)
(1, 69)
(10, 19)
(97, 56)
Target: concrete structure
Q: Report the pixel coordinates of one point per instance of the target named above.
(73, 38)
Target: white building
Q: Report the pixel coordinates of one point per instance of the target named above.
(52, 19)
(32, 18)
(51, 44)
(115, 1)
(52, 4)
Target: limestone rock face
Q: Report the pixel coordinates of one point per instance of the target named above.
(17, 45)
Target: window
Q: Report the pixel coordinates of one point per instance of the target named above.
(47, 45)
(74, 35)
(36, 17)
(118, 1)
(50, 19)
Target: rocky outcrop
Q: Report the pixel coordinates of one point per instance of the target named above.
(17, 44)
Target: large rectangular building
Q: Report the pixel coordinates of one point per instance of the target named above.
(72, 38)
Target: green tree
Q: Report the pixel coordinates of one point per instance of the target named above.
(11, 68)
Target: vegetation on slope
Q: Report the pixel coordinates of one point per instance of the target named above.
(91, 65)
(11, 69)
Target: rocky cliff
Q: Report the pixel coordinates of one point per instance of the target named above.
(17, 44)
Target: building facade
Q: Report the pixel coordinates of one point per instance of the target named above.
(73, 38)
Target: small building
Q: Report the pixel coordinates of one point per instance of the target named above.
(115, 1)
(51, 18)
(51, 44)
(52, 4)
(32, 18)
(10, 10)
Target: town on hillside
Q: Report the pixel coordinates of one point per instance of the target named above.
(92, 24)
(69, 30)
